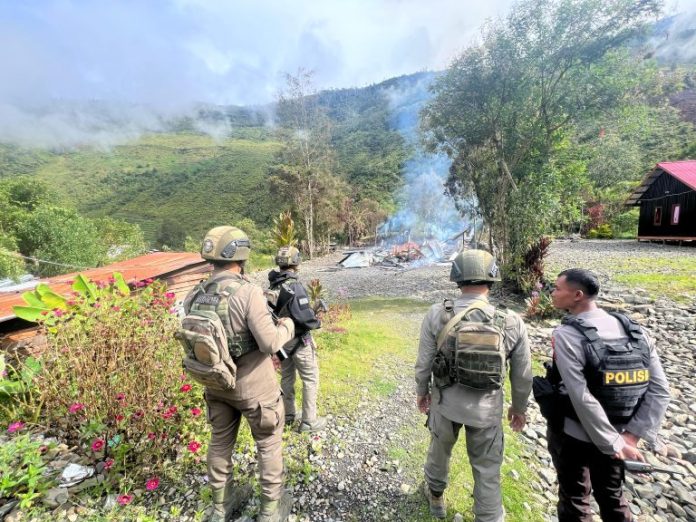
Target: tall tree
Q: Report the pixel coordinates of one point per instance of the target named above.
(502, 109)
(303, 173)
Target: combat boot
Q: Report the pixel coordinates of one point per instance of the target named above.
(317, 424)
(228, 500)
(275, 510)
(436, 503)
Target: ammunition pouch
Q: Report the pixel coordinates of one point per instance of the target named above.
(553, 404)
(440, 368)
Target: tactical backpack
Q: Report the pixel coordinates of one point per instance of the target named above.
(471, 352)
(206, 334)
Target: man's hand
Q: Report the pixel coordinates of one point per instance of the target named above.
(517, 420)
(276, 363)
(423, 403)
(629, 451)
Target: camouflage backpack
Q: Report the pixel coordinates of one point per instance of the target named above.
(471, 352)
(210, 344)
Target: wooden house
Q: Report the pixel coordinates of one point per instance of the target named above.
(667, 200)
(180, 270)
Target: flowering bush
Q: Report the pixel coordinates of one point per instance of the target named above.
(111, 381)
(540, 305)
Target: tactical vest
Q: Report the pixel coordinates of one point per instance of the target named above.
(471, 352)
(617, 373)
(213, 296)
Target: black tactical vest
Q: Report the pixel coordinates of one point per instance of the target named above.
(617, 373)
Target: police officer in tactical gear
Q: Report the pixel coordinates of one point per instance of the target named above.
(288, 298)
(256, 395)
(466, 346)
(607, 369)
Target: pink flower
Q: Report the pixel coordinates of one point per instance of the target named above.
(148, 281)
(139, 284)
(120, 397)
(196, 412)
(98, 445)
(75, 407)
(71, 302)
(116, 308)
(535, 294)
(124, 500)
(96, 305)
(58, 312)
(151, 436)
(138, 415)
(15, 426)
(152, 484)
(108, 463)
(119, 418)
(185, 388)
(194, 446)
(112, 280)
(170, 295)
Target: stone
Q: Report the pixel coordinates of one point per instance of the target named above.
(55, 497)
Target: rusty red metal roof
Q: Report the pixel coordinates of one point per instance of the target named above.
(150, 266)
(684, 171)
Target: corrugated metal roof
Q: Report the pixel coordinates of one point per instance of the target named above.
(155, 265)
(684, 171)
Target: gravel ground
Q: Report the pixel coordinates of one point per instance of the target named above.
(357, 481)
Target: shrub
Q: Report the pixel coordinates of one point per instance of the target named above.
(601, 232)
(540, 305)
(23, 468)
(111, 379)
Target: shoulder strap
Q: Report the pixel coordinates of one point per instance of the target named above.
(454, 320)
(590, 332)
(631, 328)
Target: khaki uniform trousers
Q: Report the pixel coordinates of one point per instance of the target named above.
(485, 449)
(304, 362)
(265, 416)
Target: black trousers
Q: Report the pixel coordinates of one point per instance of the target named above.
(582, 469)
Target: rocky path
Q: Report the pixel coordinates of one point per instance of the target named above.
(358, 481)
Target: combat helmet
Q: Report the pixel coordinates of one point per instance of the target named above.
(288, 256)
(473, 266)
(226, 244)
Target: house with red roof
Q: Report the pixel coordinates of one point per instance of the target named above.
(667, 200)
(180, 270)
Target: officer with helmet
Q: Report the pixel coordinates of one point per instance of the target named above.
(466, 346)
(613, 393)
(256, 396)
(288, 298)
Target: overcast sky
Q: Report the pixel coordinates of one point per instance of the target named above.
(221, 51)
(168, 54)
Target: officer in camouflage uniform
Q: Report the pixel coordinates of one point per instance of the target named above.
(256, 395)
(452, 404)
(288, 298)
(608, 368)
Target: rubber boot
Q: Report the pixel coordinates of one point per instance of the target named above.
(275, 510)
(317, 424)
(218, 514)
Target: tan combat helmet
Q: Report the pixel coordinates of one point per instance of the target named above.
(226, 244)
(288, 256)
(473, 266)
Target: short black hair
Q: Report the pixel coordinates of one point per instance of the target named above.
(586, 280)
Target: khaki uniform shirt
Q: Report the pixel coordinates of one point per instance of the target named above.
(464, 405)
(594, 426)
(249, 313)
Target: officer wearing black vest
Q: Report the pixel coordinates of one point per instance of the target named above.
(616, 393)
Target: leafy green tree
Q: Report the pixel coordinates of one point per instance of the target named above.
(63, 238)
(171, 235)
(504, 107)
(303, 173)
(11, 265)
(120, 239)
